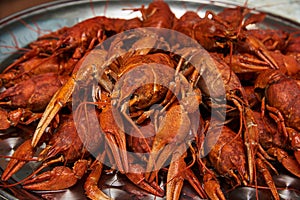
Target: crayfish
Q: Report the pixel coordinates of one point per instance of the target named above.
(160, 100)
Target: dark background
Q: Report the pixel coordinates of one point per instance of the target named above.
(8, 7)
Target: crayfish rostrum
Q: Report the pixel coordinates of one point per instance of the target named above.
(127, 97)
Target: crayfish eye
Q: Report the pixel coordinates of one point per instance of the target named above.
(110, 33)
(63, 46)
(259, 93)
(220, 39)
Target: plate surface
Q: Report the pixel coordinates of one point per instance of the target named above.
(22, 28)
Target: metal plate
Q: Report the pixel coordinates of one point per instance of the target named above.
(22, 28)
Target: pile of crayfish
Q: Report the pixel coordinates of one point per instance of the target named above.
(153, 110)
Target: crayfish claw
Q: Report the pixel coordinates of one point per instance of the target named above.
(194, 182)
(117, 146)
(91, 185)
(212, 187)
(138, 178)
(4, 118)
(291, 165)
(268, 178)
(178, 172)
(58, 178)
(172, 131)
(157, 160)
(115, 138)
(286, 160)
(58, 100)
(24, 152)
(174, 178)
(261, 51)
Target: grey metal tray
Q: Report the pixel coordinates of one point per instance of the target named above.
(24, 27)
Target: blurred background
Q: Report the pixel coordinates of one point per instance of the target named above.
(287, 8)
(8, 7)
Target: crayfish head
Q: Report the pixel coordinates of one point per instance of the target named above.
(264, 80)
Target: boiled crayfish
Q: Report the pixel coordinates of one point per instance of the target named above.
(157, 100)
